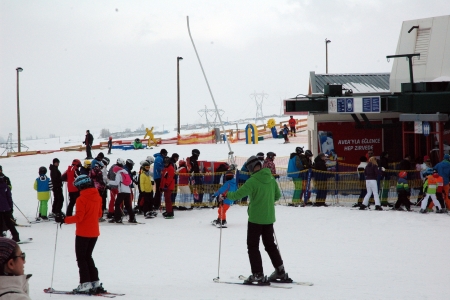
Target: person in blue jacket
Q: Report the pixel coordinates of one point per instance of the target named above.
(157, 170)
(443, 169)
(229, 185)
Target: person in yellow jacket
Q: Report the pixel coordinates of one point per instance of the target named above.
(146, 189)
(43, 186)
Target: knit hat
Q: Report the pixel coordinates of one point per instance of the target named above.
(7, 247)
(252, 162)
(446, 156)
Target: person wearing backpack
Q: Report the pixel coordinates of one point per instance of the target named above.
(123, 182)
(72, 172)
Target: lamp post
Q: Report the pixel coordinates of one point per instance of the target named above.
(18, 110)
(326, 54)
(178, 94)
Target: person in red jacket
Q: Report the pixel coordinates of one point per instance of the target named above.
(69, 176)
(292, 123)
(89, 210)
(167, 186)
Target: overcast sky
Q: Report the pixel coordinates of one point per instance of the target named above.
(112, 64)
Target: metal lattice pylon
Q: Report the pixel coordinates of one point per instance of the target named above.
(212, 113)
(259, 99)
(9, 145)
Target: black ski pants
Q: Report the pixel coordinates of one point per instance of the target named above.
(72, 200)
(58, 201)
(125, 199)
(6, 217)
(148, 201)
(84, 246)
(254, 231)
(402, 200)
(88, 151)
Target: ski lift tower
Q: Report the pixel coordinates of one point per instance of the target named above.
(212, 113)
(259, 99)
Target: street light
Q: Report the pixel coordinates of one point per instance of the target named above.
(326, 53)
(178, 94)
(18, 110)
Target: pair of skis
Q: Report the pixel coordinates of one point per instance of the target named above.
(106, 294)
(272, 284)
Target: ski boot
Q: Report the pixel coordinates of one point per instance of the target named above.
(257, 279)
(279, 275)
(97, 288)
(132, 220)
(215, 222)
(362, 207)
(378, 207)
(423, 211)
(83, 288)
(439, 211)
(168, 215)
(115, 221)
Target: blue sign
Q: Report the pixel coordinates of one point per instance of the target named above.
(340, 105)
(426, 128)
(366, 105)
(349, 105)
(376, 104)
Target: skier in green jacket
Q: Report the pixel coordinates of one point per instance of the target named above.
(263, 191)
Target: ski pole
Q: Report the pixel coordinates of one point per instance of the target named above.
(66, 196)
(220, 240)
(279, 183)
(54, 256)
(22, 213)
(37, 209)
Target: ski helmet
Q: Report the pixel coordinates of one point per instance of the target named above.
(42, 170)
(181, 163)
(150, 159)
(435, 173)
(76, 163)
(145, 163)
(129, 163)
(299, 150)
(252, 161)
(196, 152)
(402, 174)
(271, 155)
(120, 161)
(229, 175)
(82, 182)
(87, 163)
(105, 161)
(260, 156)
(308, 153)
(137, 140)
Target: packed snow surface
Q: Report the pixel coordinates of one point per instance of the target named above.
(347, 254)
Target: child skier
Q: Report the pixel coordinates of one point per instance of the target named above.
(264, 192)
(43, 186)
(89, 210)
(146, 190)
(167, 186)
(433, 184)
(183, 185)
(229, 185)
(403, 192)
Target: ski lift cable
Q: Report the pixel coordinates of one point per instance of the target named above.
(230, 153)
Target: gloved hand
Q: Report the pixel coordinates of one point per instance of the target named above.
(84, 142)
(383, 169)
(276, 176)
(133, 173)
(59, 218)
(153, 183)
(221, 198)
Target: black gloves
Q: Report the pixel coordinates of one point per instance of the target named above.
(60, 217)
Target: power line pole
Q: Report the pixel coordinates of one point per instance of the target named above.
(259, 99)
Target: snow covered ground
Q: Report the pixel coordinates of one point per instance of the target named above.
(347, 254)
